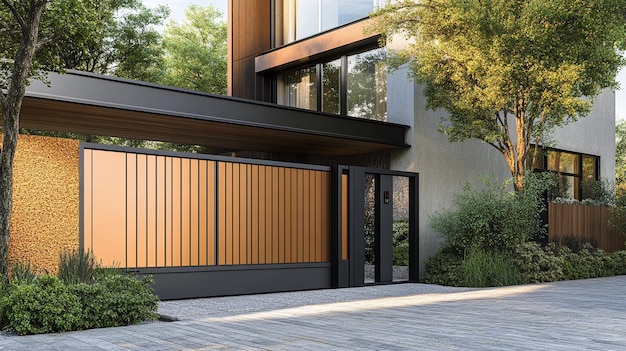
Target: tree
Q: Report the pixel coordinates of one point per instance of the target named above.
(20, 39)
(196, 51)
(508, 71)
(117, 38)
(36, 36)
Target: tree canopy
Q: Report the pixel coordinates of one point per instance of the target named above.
(196, 51)
(508, 71)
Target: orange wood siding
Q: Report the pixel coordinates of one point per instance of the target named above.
(161, 211)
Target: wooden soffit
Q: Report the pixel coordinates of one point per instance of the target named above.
(81, 102)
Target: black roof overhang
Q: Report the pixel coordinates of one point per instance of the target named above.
(81, 102)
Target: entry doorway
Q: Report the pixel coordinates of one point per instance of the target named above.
(380, 227)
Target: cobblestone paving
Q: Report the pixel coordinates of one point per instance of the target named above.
(571, 315)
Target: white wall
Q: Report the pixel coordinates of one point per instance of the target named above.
(594, 134)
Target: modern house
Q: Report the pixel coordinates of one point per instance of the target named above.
(318, 148)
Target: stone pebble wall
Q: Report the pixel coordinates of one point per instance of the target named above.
(45, 217)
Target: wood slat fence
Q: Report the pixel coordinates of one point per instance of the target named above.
(587, 223)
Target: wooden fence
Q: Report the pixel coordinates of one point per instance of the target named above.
(587, 223)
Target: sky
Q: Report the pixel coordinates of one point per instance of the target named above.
(177, 8)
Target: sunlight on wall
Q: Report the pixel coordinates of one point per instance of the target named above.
(45, 201)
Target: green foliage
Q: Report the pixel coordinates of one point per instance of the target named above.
(508, 71)
(43, 306)
(527, 263)
(491, 218)
(196, 51)
(487, 268)
(598, 192)
(400, 243)
(617, 217)
(619, 258)
(22, 273)
(475, 268)
(84, 296)
(77, 266)
(620, 155)
(537, 264)
(115, 300)
(586, 262)
(444, 268)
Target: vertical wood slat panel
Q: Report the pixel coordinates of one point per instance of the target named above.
(174, 218)
(222, 202)
(288, 216)
(587, 223)
(254, 215)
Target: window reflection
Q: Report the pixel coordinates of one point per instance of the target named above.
(367, 85)
(331, 96)
(560, 161)
(304, 18)
(301, 88)
(572, 172)
(362, 93)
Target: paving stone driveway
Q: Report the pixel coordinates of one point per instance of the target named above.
(571, 315)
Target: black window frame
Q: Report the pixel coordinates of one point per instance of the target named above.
(580, 171)
(318, 65)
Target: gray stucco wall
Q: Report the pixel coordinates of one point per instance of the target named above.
(445, 167)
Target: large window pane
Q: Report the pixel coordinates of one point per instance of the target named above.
(309, 17)
(589, 168)
(308, 21)
(565, 162)
(331, 97)
(367, 85)
(301, 88)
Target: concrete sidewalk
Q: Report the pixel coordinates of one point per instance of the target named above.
(570, 315)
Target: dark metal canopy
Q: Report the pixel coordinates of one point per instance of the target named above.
(81, 102)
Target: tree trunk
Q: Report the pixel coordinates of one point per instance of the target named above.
(11, 107)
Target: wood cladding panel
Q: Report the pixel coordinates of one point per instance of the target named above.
(162, 211)
(250, 35)
(586, 223)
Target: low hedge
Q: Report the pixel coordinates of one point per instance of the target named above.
(535, 263)
(47, 304)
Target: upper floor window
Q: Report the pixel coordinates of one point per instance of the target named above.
(304, 18)
(574, 171)
(351, 85)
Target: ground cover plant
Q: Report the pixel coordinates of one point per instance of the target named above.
(82, 296)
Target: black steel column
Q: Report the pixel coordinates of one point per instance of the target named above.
(356, 238)
(384, 229)
(413, 229)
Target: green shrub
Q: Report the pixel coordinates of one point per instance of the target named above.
(598, 192)
(619, 259)
(492, 218)
(43, 306)
(587, 262)
(485, 269)
(115, 300)
(77, 266)
(401, 254)
(400, 243)
(444, 268)
(617, 217)
(536, 264)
